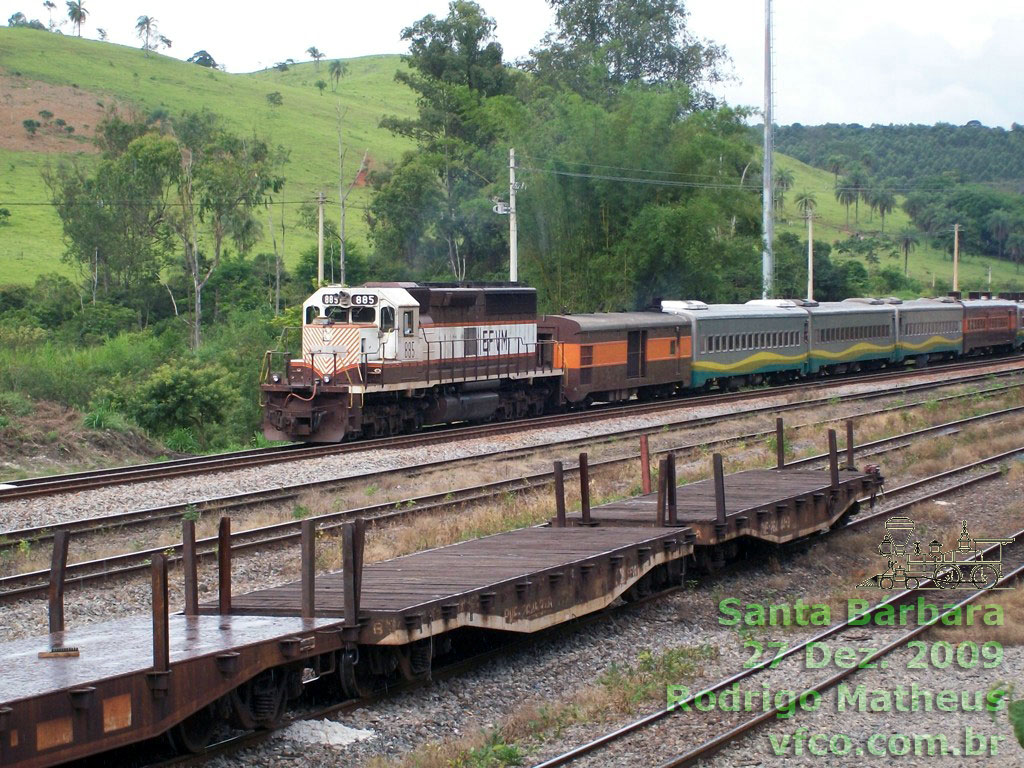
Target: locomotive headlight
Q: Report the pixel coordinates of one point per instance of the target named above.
(276, 379)
(327, 379)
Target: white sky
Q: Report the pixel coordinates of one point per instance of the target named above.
(871, 61)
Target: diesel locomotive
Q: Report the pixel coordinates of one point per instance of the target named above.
(388, 358)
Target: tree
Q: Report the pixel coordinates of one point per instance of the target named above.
(31, 126)
(203, 59)
(884, 201)
(222, 180)
(835, 164)
(598, 46)
(999, 224)
(857, 180)
(1015, 247)
(275, 99)
(102, 33)
(77, 13)
(114, 214)
(321, 85)
(146, 30)
(454, 63)
(907, 240)
(846, 196)
(316, 55)
(50, 7)
(336, 69)
(806, 202)
(783, 183)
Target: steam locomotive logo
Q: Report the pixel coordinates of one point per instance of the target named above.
(910, 564)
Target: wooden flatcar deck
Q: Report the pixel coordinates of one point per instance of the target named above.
(776, 505)
(519, 581)
(125, 647)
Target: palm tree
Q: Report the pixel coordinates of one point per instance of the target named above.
(321, 85)
(783, 183)
(835, 164)
(145, 28)
(846, 195)
(316, 54)
(50, 7)
(884, 200)
(806, 202)
(857, 180)
(77, 14)
(336, 69)
(907, 241)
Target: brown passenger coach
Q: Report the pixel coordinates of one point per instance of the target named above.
(613, 356)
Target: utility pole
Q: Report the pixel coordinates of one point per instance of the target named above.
(513, 224)
(956, 256)
(768, 224)
(810, 254)
(320, 239)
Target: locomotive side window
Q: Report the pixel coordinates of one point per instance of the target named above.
(408, 329)
(312, 313)
(387, 318)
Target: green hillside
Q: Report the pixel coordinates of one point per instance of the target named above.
(44, 71)
(925, 261)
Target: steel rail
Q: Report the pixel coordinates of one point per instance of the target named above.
(713, 745)
(22, 584)
(37, 534)
(48, 485)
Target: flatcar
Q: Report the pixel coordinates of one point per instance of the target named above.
(386, 358)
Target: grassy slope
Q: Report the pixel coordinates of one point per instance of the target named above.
(830, 226)
(306, 123)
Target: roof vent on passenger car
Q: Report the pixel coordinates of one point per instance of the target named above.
(679, 306)
(787, 303)
(892, 300)
(864, 300)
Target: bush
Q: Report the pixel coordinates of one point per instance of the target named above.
(100, 321)
(103, 416)
(181, 440)
(15, 404)
(179, 397)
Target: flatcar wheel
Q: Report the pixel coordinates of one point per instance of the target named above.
(193, 734)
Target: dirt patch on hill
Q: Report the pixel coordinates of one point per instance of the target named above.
(53, 439)
(24, 99)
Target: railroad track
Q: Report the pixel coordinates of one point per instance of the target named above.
(78, 481)
(35, 535)
(35, 583)
(713, 745)
(251, 739)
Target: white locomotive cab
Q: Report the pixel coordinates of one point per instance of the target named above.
(353, 325)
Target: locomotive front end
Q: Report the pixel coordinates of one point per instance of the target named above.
(310, 397)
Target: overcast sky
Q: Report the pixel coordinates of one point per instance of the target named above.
(871, 61)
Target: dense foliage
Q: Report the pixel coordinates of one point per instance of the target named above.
(910, 152)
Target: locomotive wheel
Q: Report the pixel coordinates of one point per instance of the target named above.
(947, 577)
(193, 734)
(984, 576)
